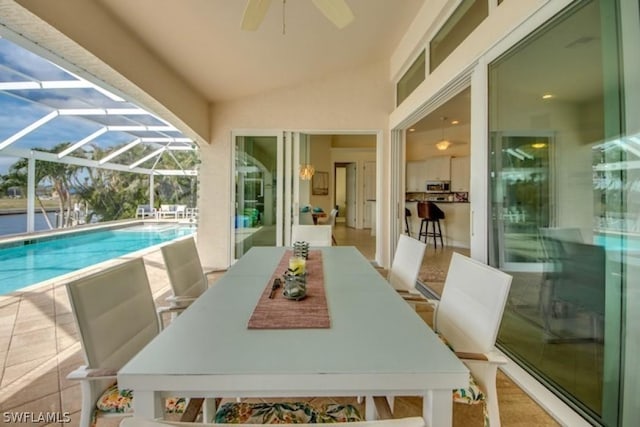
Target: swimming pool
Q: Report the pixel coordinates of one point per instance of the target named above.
(32, 261)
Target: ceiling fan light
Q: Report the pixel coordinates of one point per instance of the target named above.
(443, 145)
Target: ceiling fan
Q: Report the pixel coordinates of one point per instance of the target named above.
(336, 11)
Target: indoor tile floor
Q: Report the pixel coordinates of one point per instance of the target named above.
(39, 346)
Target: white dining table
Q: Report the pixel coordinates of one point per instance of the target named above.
(376, 345)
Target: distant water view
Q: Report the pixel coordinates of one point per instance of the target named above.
(17, 223)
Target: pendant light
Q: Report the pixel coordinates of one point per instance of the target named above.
(306, 169)
(443, 144)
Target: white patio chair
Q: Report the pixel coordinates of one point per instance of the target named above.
(305, 218)
(167, 211)
(468, 318)
(181, 211)
(116, 318)
(143, 211)
(331, 220)
(185, 272)
(406, 266)
(315, 235)
(400, 422)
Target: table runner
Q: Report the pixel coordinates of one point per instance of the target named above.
(282, 313)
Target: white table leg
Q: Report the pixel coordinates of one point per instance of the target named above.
(148, 404)
(209, 409)
(369, 409)
(437, 408)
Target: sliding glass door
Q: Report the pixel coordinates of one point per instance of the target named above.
(258, 201)
(563, 205)
(268, 188)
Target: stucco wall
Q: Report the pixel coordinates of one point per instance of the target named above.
(356, 100)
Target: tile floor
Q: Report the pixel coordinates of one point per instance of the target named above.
(39, 346)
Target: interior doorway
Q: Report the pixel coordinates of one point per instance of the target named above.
(346, 193)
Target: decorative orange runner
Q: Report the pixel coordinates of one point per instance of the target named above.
(282, 313)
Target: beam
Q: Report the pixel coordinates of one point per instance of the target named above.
(52, 157)
(119, 151)
(82, 142)
(49, 84)
(147, 157)
(31, 195)
(33, 126)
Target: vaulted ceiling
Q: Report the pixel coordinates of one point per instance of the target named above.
(202, 40)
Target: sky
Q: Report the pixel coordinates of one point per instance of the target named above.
(20, 108)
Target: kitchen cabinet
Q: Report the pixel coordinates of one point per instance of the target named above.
(416, 176)
(460, 173)
(438, 168)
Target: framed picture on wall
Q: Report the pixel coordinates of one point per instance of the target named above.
(320, 184)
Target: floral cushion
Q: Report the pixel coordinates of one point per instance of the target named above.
(278, 413)
(114, 400)
(472, 394)
(336, 413)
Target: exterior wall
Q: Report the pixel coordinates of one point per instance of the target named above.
(354, 101)
(506, 25)
(500, 23)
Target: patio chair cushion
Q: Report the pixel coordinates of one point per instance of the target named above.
(470, 395)
(278, 413)
(115, 400)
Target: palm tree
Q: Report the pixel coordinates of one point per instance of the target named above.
(60, 176)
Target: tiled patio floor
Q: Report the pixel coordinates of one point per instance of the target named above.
(39, 346)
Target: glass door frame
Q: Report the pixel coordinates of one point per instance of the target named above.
(280, 190)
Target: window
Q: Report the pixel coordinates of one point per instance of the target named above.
(411, 79)
(460, 24)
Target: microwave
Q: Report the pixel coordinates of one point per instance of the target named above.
(437, 187)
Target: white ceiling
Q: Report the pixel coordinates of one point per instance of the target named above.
(202, 40)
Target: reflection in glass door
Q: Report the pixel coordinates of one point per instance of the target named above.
(258, 212)
(522, 199)
(560, 221)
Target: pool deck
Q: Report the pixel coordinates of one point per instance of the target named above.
(39, 346)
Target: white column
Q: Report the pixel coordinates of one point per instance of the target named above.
(31, 195)
(151, 193)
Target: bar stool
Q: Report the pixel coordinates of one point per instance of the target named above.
(407, 214)
(430, 213)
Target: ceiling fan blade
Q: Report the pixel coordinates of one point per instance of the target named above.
(254, 14)
(336, 11)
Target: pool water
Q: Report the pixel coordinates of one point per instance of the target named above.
(26, 264)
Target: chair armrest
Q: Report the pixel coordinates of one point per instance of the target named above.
(417, 298)
(492, 357)
(84, 373)
(162, 310)
(180, 299)
(471, 356)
